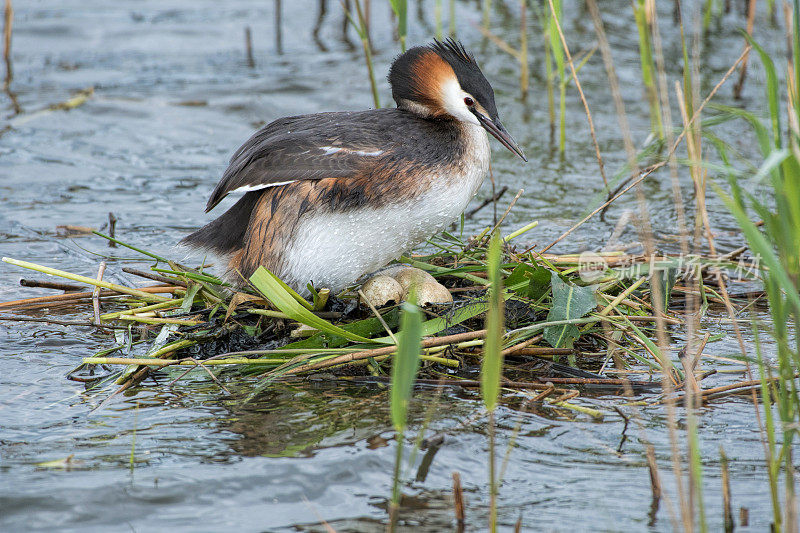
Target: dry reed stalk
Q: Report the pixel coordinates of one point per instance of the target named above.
(542, 350)
(75, 297)
(727, 514)
(43, 284)
(655, 481)
(516, 348)
(667, 380)
(248, 48)
(7, 30)
(580, 92)
(387, 350)
(751, 17)
(458, 502)
(278, 27)
(155, 277)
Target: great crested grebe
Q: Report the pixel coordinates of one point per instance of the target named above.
(330, 197)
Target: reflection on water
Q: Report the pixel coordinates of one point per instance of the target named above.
(173, 97)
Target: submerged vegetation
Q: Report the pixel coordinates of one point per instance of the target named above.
(528, 327)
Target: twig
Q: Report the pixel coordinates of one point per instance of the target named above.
(77, 296)
(84, 279)
(727, 514)
(154, 277)
(545, 393)
(56, 321)
(458, 501)
(204, 367)
(278, 28)
(655, 481)
(516, 348)
(43, 284)
(471, 213)
(378, 315)
(505, 214)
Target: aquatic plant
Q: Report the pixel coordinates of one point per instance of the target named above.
(777, 244)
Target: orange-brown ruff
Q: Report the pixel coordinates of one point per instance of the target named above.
(333, 196)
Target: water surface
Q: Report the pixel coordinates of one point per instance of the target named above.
(173, 97)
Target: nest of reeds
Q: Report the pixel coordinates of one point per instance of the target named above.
(570, 324)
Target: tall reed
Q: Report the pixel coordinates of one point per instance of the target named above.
(400, 8)
(492, 364)
(558, 57)
(777, 245)
(361, 25)
(404, 372)
(642, 11)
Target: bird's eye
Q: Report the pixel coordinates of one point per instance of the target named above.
(469, 101)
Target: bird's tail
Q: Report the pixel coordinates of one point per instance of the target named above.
(225, 235)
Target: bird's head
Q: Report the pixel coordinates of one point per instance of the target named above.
(443, 80)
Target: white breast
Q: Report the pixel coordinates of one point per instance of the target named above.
(335, 249)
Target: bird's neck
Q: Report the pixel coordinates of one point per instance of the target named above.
(421, 110)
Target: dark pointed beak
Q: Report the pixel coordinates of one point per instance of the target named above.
(499, 131)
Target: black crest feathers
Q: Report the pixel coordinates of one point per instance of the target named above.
(452, 49)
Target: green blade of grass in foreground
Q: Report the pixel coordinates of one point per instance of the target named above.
(492, 364)
(404, 372)
(405, 364)
(272, 289)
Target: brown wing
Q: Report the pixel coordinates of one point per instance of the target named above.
(310, 147)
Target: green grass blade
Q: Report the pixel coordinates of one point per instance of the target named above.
(492, 364)
(274, 290)
(773, 96)
(406, 363)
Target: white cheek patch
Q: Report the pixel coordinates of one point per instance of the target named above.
(453, 102)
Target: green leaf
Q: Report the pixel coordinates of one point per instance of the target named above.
(366, 328)
(569, 302)
(275, 291)
(665, 279)
(406, 364)
(773, 96)
(435, 325)
(492, 364)
(400, 8)
(529, 281)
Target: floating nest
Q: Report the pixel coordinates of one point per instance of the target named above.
(572, 324)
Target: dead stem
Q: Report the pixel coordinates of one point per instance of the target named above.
(155, 277)
(248, 49)
(388, 350)
(7, 31)
(751, 17)
(43, 284)
(458, 502)
(580, 92)
(73, 297)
